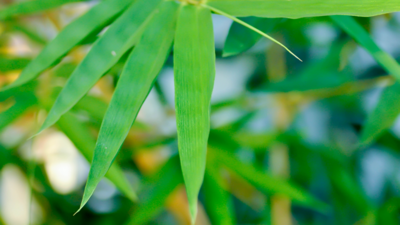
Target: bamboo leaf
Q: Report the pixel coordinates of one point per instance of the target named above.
(383, 116)
(387, 109)
(22, 104)
(69, 37)
(357, 32)
(118, 39)
(217, 200)
(267, 183)
(194, 60)
(241, 39)
(84, 142)
(304, 8)
(30, 7)
(156, 191)
(133, 87)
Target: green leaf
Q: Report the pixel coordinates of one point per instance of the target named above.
(155, 192)
(32, 6)
(267, 183)
(357, 32)
(241, 39)
(387, 109)
(383, 116)
(304, 8)
(217, 201)
(22, 104)
(69, 37)
(10, 64)
(194, 64)
(85, 143)
(135, 83)
(118, 39)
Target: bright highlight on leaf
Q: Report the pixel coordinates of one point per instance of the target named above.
(194, 65)
(136, 81)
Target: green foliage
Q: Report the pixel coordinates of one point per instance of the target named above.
(136, 44)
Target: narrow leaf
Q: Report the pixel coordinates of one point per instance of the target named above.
(10, 64)
(305, 8)
(69, 37)
(383, 116)
(22, 104)
(135, 83)
(267, 183)
(194, 64)
(85, 142)
(118, 39)
(357, 32)
(30, 7)
(241, 39)
(155, 193)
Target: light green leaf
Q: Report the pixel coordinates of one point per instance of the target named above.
(194, 64)
(267, 183)
(241, 39)
(383, 116)
(357, 32)
(85, 143)
(305, 8)
(118, 39)
(69, 37)
(30, 7)
(155, 192)
(22, 104)
(135, 83)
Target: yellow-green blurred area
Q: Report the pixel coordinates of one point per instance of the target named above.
(285, 143)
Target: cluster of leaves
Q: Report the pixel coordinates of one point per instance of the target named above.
(140, 35)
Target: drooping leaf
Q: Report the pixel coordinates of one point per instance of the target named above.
(194, 65)
(135, 83)
(383, 116)
(357, 32)
(241, 38)
(22, 104)
(387, 109)
(304, 8)
(69, 37)
(118, 39)
(30, 7)
(267, 183)
(156, 190)
(85, 143)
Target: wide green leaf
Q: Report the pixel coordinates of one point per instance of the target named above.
(194, 64)
(70, 36)
(32, 6)
(241, 38)
(305, 8)
(135, 83)
(118, 39)
(267, 183)
(84, 141)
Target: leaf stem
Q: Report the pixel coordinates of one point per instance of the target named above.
(251, 28)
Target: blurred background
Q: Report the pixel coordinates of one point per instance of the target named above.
(287, 124)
